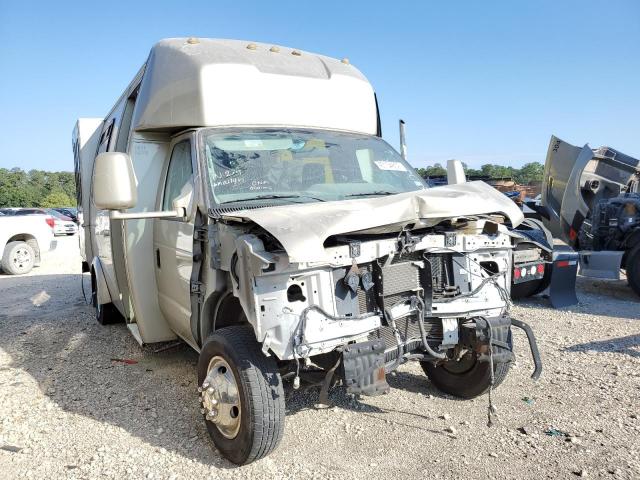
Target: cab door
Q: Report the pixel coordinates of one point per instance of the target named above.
(173, 240)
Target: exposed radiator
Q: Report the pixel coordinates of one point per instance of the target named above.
(409, 331)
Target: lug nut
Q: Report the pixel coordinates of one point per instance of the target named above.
(202, 410)
(210, 390)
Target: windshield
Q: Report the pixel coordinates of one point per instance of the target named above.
(302, 166)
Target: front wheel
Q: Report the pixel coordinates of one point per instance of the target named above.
(467, 378)
(18, 258)
(242, 398)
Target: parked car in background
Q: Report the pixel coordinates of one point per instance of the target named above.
(70, 212)
(8, 211)
(23, 241)
(30, 211)
(64, 225)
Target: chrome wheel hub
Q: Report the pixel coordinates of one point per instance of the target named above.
(21, 258)
(220, 399)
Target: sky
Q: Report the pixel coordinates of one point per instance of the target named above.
(483, 82)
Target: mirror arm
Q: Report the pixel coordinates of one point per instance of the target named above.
(122, 215)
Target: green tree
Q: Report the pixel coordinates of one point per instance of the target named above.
(530, 172)
(56, 198)
(436, 170)
(29, 189)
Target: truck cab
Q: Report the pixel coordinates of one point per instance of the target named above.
(591, 200)
(240, 197)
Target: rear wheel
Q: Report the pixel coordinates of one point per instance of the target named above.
(18, 258)
(467, 378)
(242, 396)
(633, 269)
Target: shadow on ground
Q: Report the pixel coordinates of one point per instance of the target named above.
(624, 345)
(608, 298)
(50, 333)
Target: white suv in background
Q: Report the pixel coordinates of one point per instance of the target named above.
(23, 241)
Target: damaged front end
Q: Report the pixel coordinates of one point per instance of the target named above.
(434, 291)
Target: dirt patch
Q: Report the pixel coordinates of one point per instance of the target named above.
(70, 411)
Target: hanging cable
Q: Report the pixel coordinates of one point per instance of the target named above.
(83, 292)
(491, 409)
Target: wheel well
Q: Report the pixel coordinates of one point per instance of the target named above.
(228, 312)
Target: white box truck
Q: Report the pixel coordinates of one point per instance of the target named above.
(239, 196)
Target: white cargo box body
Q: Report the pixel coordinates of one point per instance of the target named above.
(209, 83)
(191, 83)
(85, 143)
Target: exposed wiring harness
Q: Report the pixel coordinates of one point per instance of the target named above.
(423, 332)
(396, 333)
(491, 409)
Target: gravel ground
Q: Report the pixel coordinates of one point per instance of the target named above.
(68, 410)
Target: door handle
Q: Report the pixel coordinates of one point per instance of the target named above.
(158, 257)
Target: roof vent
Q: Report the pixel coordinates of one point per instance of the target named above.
(345, 60)
(274, 49)
(252, 46)
(192, 40)
(296, 53)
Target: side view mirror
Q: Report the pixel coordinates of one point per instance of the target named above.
(182, 203)
(455, 172)
(114, 182)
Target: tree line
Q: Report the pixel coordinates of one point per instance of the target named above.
(36, 188)
(39, 188)
(528, 173)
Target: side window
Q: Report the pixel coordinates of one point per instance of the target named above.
(105, 136)
(179, 173)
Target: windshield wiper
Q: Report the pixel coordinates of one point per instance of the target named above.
(366, 194)
(271, 197)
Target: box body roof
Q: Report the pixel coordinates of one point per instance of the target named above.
(211, 82)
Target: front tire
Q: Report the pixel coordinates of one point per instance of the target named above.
(468, 378)
(243, 409)
(18, 258)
